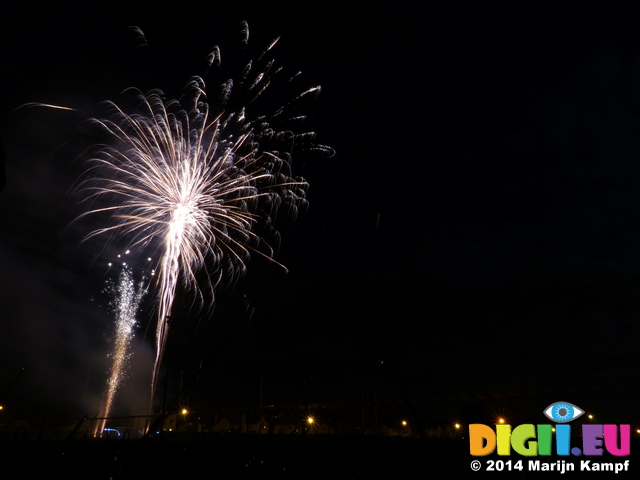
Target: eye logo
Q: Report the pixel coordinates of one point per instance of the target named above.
(562, 412)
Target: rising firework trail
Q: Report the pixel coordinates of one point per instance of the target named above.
(199, 185)
(127, 295)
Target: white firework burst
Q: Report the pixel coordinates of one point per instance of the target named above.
(195, 185)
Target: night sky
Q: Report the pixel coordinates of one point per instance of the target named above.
(478, 228)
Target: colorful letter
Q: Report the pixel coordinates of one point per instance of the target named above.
(544, 439)
(610, 436)
(504, 439)
(478, 433)
(522, 435)
(592, 439)
(563, 439)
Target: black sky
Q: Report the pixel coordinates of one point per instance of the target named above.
(477, 228)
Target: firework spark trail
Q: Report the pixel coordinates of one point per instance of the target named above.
(200, 186)
(127, 297)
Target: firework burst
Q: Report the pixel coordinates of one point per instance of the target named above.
(201, 187)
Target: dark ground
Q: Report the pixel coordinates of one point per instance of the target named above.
(332, 457)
